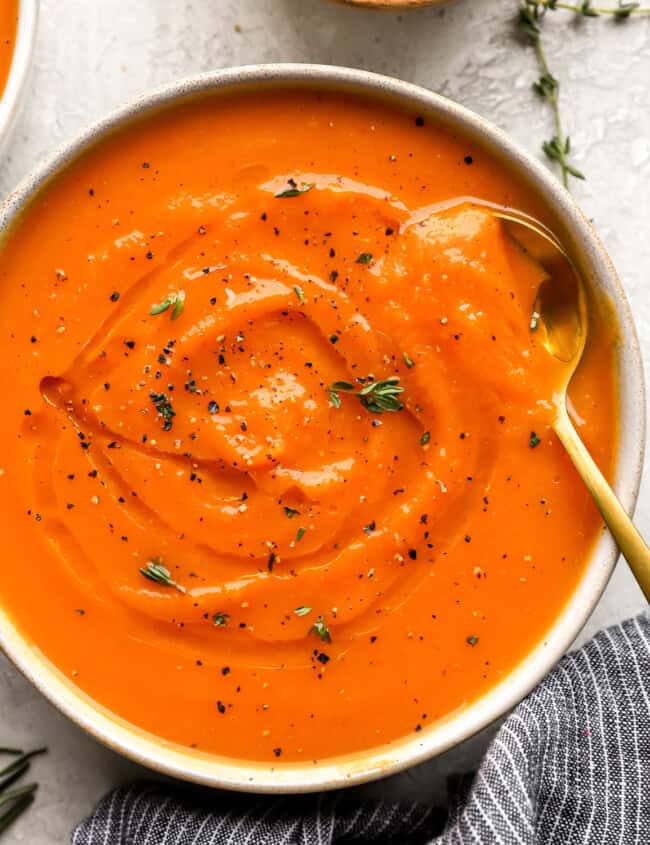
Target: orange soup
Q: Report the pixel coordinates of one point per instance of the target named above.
(278, 478)
(8, 24)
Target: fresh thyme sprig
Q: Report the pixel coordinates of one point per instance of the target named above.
(14, 802)
(587, 10)
(376, 396)
(547, 87)
(531, 14)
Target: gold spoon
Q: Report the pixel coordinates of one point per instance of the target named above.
(561, 308)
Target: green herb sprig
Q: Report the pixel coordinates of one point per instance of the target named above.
(14, 802)
(155, 571)
(376, 396)
(530, 18)
(623, 10)
(294, 190)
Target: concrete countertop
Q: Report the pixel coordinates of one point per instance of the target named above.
(93, 55)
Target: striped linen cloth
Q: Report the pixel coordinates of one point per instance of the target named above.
(570, 765)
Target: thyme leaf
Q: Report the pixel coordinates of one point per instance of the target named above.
(375, 396)
(321, 630)
(294, 190)
(175, 299)
(155, 571)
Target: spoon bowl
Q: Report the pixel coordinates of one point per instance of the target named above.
(560, 316)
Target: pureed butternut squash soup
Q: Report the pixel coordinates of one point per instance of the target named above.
(278, 479)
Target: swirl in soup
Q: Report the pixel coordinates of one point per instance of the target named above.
(279, 480)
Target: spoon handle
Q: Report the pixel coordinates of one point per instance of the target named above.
(630, 543)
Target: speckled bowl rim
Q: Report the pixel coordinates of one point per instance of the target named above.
(572, 226)
(11, 100)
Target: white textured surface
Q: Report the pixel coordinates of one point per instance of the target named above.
(93, 54)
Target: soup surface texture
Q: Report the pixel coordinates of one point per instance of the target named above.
(203, 529)
(8, 24)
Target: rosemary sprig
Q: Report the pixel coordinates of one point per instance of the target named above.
(376, 396)
(531, 14)
(14, 802)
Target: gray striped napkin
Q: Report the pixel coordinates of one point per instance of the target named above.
(570, 765)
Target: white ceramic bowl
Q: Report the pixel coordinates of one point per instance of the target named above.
(578, 236)
(21, 63)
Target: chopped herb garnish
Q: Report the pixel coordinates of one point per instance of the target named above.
(334, 389)
(300, 294)
(472, 640)
(364, 258)
(334, 398)
(294, 190)
(409, 363)
(291, 512)
(302, 611)
(370, 527)
(160, 307)
(155, 571)
(380, 396)
(220, 619)
(179, 305)
(176, 299)
(534, 440)
(163, 405)
(321, 630)
(376, 396)
(426, 436)
(300, 534)
(271, 561)
(213, 407)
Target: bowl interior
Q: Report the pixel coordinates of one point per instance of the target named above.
(572, 227)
